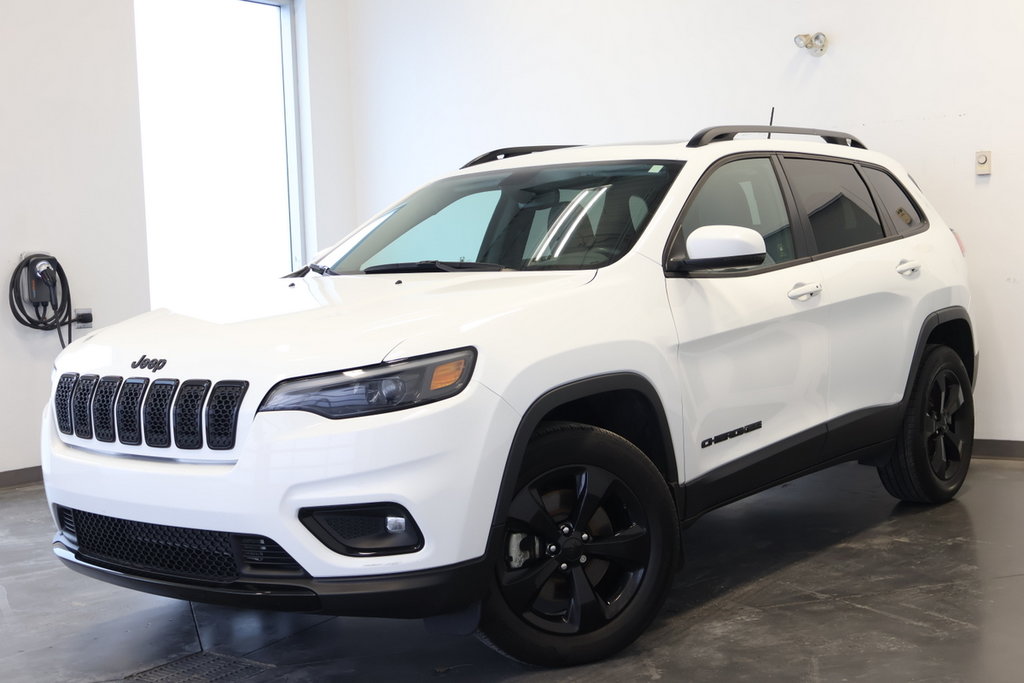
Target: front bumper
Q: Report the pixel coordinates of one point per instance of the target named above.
(442, 462)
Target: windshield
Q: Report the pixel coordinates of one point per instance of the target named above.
(573, 216)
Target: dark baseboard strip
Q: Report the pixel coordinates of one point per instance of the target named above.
(995, 448)
(28, 475)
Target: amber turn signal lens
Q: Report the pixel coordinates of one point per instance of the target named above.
(447, 374)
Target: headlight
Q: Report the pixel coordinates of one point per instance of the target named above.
(377, 388)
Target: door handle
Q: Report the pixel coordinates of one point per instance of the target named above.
(908, 268)
(803, 292)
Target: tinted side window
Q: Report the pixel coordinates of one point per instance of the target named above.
(837, 203)
(895, 200)
(745, 193)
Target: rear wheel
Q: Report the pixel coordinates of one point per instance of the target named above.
(934, 452)
(591, 542)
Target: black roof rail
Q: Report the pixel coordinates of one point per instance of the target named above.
(721, 133)
(509, 152)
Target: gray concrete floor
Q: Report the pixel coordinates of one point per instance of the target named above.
(823, 579)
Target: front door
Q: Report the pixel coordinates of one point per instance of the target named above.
(753, 343)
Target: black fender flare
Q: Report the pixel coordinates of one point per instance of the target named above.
(561, 395)
(930, 324)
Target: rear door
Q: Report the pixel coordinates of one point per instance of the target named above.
(873, 283)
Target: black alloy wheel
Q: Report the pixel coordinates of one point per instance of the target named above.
(944, 424)
(934, 451)
(591, 541)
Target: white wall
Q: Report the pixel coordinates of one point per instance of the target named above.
(70, 183)
(436, 83)
(403, 91)
(71, 171)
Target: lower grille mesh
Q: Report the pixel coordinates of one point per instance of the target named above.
(177, 552)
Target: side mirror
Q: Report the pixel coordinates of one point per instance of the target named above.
(719, 246)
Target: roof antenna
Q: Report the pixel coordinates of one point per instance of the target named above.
(771, 120)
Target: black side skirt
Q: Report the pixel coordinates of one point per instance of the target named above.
(866, 435)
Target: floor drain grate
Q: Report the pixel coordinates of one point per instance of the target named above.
(202, 667)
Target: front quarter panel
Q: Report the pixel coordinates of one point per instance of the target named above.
(617, 323)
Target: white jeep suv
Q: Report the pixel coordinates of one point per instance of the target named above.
(497, 402)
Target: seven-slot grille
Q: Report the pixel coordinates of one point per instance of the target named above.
(179, 552)
(134, 409)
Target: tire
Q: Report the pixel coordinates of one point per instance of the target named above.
(590, 546)
(934, 450)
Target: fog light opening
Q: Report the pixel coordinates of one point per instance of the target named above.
(364, 530)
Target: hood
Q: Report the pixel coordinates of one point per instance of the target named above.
(299, 326)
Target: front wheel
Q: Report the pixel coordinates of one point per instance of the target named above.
(590, 546)
(934, 451)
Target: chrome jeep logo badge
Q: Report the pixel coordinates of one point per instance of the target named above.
(153, 364)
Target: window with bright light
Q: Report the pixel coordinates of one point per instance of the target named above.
(215, 82)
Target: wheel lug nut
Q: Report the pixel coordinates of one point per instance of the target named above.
(583, 559)
(552, 549)
(566, 529)
(585, 537)
(563, 566)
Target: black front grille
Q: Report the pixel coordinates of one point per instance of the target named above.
(222, 414)
(157, 419)
(171, 551)
(110, 409)
(81, 404)
(62, 401)
(129, 409)
(103, 408)
(188, 413)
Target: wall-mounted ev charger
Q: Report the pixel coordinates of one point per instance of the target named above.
(39, 282)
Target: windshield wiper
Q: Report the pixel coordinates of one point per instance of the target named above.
(433, 267)
(321, 270)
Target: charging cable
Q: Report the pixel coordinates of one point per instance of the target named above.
(47, 290)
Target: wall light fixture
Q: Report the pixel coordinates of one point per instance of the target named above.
(815, 43)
